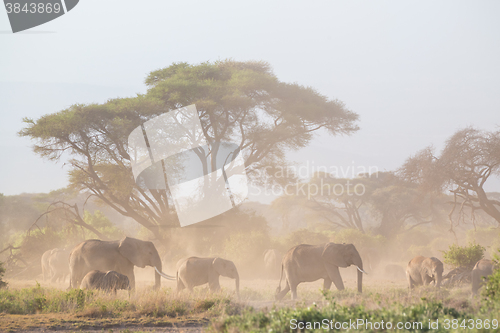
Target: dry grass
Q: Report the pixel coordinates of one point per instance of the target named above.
(164, 308)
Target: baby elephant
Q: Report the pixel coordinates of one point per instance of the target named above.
(109, 281)
(423, 271)
(194, 271)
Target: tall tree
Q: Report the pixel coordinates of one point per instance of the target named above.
(470, 158)
(241, 102)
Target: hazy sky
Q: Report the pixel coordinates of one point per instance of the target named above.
(415, 71)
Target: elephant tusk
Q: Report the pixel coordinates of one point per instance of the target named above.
(168, 277)
(362, 271)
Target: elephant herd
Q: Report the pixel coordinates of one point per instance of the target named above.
(426, 271)
(109, 265)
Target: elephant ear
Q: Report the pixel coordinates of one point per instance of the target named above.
(334, 254)
(131, 249)
(220, 266)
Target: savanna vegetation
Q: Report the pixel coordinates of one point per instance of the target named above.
(434, 205)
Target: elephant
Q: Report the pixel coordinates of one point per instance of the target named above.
(55, 265)
(107, 281)
(307, 263)
(423, 271)
(195, 271)
(121, 256)
(272, 261)
(483, 268)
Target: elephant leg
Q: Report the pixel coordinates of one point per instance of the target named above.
(411, 283)
(131, 277)
(180, 286)
(185, 284)
(293, 288)
(279, 296)
(214, 286)
(74, 280)
(426, 280)
(327, 284)
(334, 274)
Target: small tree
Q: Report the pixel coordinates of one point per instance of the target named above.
(463, 256)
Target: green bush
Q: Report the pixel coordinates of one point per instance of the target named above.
(463, 256)
(492, 288)
(3, 284)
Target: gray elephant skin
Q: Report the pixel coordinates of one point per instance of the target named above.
(423, 271)
(107, 281)
(195, 271)
(483, 268)
(272, 262)
(308, 263)
(120, 256)
(55, 265)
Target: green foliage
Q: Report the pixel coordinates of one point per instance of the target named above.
(283, 319)
(463, 256)
(17, 213)
(41, 300)
(492, 289)
(240, 102)
(3, 284)
(96, 304)
(38, 240)
(99, 221)
(488, 237)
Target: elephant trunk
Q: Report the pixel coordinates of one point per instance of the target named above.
(359, 263)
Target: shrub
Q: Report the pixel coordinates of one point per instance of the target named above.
(492, 288)
(463, 256)
(2, 271)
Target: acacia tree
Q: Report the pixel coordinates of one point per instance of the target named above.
(334, 200)
(398, 205)
(469, 159)
(240, 102)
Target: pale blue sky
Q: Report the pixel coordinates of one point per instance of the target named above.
(415, 71)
